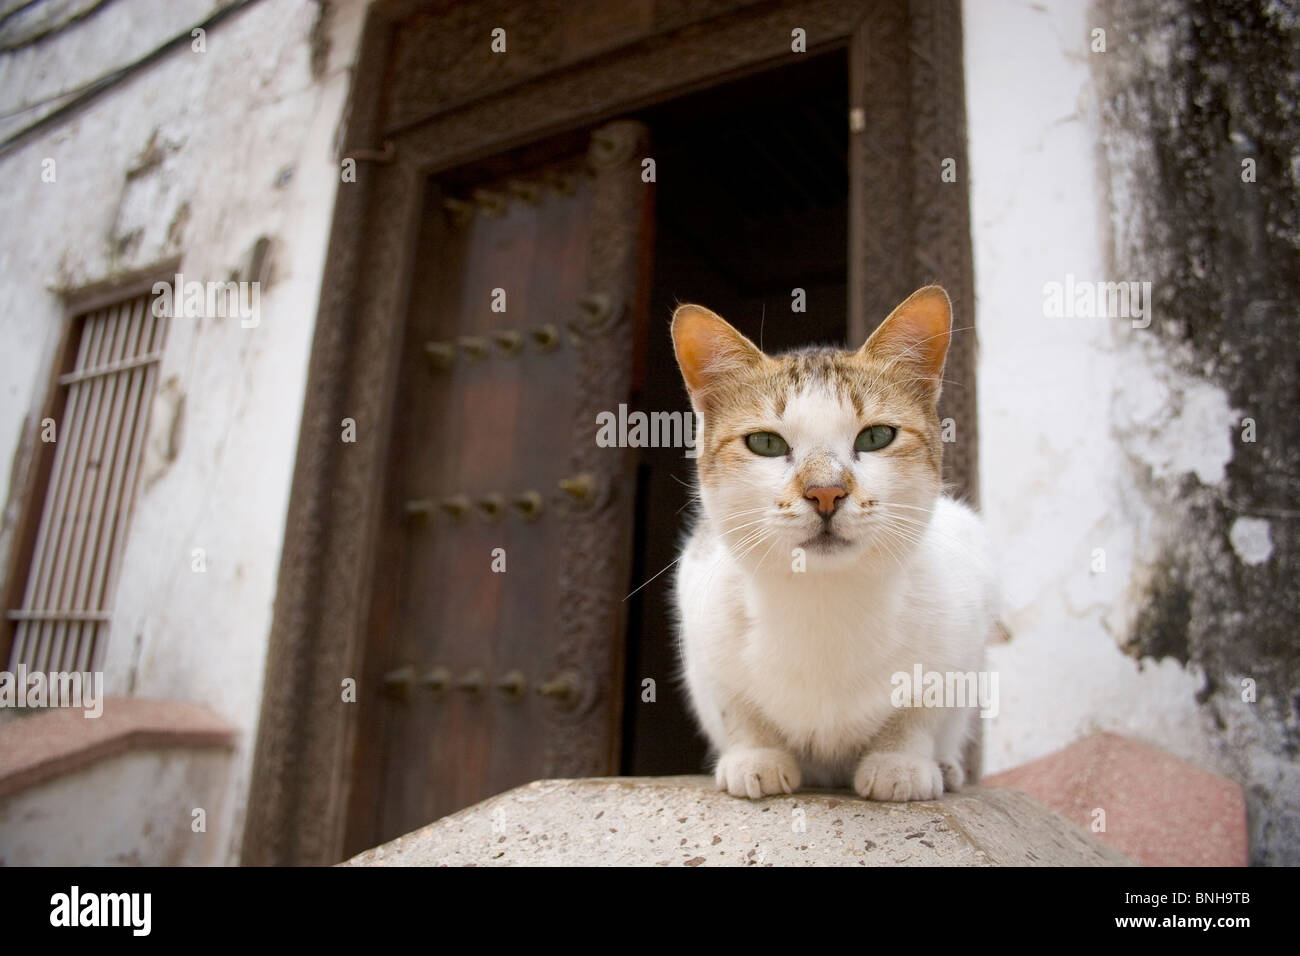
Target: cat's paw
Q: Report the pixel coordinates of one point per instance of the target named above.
(898, 777)
(954, 778)
(757, 771)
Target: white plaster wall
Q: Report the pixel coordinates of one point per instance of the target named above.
(132, 809)
(1067, 404)
(247, 136)
(38, 78)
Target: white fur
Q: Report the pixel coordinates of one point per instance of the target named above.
(813, 652)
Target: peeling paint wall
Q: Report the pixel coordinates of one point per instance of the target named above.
(1201, 122)
(198, 155)
(1148, 541)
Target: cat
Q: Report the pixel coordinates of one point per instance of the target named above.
(825, 560)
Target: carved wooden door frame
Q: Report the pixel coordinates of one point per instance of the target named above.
(402, 127)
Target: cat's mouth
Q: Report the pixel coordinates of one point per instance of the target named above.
(826, 540)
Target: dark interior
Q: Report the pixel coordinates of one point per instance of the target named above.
(751, 203)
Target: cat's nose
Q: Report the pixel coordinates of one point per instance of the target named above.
(827, 497)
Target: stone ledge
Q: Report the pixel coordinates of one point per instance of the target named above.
(58, 741)
(684, 821)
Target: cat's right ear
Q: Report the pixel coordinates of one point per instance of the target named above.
(709, 350)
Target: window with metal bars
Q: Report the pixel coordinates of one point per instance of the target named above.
(84, 504)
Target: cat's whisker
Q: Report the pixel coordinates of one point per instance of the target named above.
(662, 570)
(742, 511)
(914, 539)
(752, 535)
(885, 545)
(657, 573)
(886, 508)
(732, 538)
(911, 522)
(753, 547)
(742, 538)
(921, 528)
(904, 532)
(750, 542)
(747, 524)
(705, 586)
(741, 514)
(762, 512)
(765, 554)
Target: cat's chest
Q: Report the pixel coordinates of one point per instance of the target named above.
(822, 685)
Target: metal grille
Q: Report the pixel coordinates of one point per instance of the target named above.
(63, 622)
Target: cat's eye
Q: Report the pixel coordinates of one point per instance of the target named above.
(874, 437)
(767, 444)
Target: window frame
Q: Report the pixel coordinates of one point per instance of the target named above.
(37, 458)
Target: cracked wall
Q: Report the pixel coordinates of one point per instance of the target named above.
(1200, 112)
(1148, 542)
(198, 156)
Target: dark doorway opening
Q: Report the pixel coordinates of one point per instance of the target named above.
(751, 204)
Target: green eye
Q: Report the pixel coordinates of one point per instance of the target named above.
(874, 437)
(767, 444)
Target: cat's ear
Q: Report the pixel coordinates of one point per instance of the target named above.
(916, 335)
(709, 350)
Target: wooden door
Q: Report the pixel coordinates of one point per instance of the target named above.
(495, 648)
(429, 94)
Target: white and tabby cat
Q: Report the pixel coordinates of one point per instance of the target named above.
(825, 560)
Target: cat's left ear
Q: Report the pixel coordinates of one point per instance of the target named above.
(916, 334)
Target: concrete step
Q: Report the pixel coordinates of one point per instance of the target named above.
(685, 821)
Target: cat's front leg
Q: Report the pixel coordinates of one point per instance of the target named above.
(900, 764)
(755, 762)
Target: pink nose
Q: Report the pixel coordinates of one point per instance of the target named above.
(826, 496)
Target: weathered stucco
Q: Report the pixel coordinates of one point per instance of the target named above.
(1054, 486)
(198, 155)
(1149, 551)
(1189, 91)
